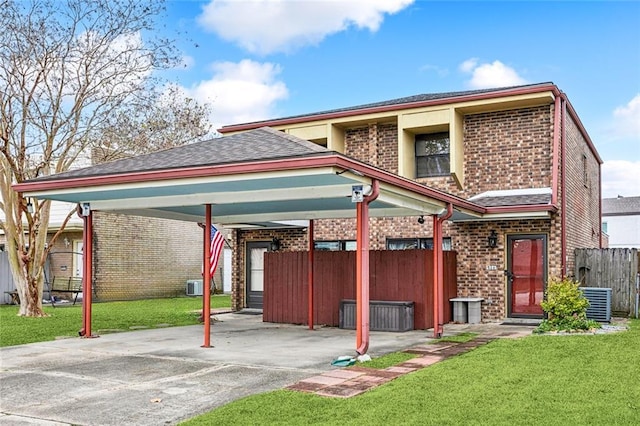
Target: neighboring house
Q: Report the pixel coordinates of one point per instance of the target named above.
(521, 153)
(134, 257)
(621, 221)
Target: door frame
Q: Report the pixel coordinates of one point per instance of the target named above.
(247, 265)
(545, 269)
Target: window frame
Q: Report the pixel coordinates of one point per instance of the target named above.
(439, 158)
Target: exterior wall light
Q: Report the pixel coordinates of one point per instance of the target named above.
(421, 219)
(493, 240)
(274, 245)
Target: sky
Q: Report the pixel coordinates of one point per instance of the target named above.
(259, 59)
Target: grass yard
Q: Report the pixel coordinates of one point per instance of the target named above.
(550, 380)
(107, 317)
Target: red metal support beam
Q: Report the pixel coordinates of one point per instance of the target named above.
(362, 269)
(438, 273)
(87, 271)
(310, 273)
(206, 289)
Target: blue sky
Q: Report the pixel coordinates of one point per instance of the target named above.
(260, 59)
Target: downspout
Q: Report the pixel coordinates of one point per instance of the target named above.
(438, 273)
(362, 269)
(206, 287)
(87, 269)
(310, 273)
(563, 180)
(557, 114)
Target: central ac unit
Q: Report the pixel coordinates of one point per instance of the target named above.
(194, 287)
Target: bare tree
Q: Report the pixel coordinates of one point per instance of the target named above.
(69, 70)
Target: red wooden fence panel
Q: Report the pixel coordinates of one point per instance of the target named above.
(395, 275)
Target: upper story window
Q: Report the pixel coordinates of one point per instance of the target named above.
(432, 154)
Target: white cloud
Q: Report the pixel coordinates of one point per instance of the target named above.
(620, 177)
(469, 65)
(627, 119)
(241, 92)
(495, 74)
(267, 26)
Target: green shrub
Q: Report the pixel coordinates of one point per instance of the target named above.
(566, 307)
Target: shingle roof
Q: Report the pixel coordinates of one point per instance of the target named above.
(507, 198)
(258, 144)
(513, 200)
(401, 101)
(620, 206)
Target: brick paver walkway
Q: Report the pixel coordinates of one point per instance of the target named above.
(348, 382)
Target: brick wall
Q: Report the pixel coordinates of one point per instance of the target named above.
(582, 183)
(61, 256)
(507, 150)
(294, 239)
(137, 257)
(503, 150)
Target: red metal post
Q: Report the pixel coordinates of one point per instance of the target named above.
(358, 276)
(310, 273)
(362, 270)
(437, 330)
(206, 290)
(438, 273)
(87, 274)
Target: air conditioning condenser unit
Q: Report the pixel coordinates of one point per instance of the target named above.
(194, 287)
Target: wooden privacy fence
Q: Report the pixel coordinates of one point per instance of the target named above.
(615, 268)
(395, 275)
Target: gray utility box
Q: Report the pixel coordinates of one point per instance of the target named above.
(383, 315)
(599, 303)
(467, 309)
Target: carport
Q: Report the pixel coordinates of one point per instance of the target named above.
(254, 178)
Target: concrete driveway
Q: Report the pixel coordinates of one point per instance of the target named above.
(163, 376)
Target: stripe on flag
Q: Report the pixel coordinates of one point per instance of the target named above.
(217, 242)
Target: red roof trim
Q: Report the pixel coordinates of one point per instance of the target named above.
(386, 108)
(331, 160)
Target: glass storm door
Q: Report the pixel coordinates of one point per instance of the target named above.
(255, 273)
(526, 274)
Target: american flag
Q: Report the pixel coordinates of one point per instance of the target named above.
(217, 242)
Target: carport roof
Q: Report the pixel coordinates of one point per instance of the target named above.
(252, 177)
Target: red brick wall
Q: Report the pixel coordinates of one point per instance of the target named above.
(294, 239)
(582, 220)
(503, 150)
(137, 257)
(61, 255)
(507, 150)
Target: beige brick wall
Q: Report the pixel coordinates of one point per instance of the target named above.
(136, 257)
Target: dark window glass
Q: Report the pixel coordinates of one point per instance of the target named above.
(416, 243)
(432, 154)
(334, 245)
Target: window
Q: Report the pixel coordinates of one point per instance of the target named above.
(585, 171)
(432, 154)
(416, 243)
(604, 227)
(334, 245)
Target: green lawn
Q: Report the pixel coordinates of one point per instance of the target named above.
(107, 317)
(537, 380)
